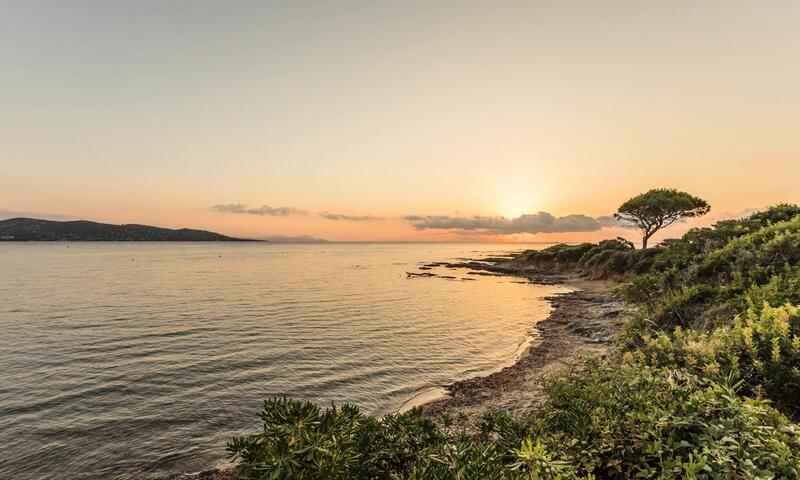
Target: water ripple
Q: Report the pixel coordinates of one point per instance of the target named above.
(118, 369)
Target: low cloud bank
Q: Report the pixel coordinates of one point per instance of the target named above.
(264, 211)
(541, 222)
(267, 211)
(349, 218)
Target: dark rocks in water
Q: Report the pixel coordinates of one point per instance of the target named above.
(428, 274)
(497, 259)
(424, 268)
(547, 279)
(423, 274)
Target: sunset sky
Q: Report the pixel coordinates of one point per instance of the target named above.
(362, 120)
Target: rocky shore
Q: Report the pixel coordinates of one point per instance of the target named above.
(583, 321)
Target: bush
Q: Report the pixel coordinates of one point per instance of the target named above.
(603, 420)
(711, 275)
(301, 441)
(762, 350)
(634, 421)
(779, 290)
(608, 258)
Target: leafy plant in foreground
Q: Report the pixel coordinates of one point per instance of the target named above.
(301, 441)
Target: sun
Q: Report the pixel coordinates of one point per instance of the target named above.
(513, 212)
(515, 205)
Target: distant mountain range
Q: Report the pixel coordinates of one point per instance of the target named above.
(32, 229)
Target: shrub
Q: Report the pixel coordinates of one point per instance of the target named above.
(608, 258)
(301, 441)
(762, 350)
(634, 421)
(779, 290)
(710, 275)
(602, 420)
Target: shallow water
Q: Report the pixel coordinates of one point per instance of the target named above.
(140, 360)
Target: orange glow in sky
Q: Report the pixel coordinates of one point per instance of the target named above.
(371, 112)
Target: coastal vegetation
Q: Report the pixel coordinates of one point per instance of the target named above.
(659, 208)
(703, 382)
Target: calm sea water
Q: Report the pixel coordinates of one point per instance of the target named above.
(140, 360)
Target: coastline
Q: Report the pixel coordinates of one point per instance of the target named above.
(582, 321)
(435, 393)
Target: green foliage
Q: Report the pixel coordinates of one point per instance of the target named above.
(602, 420)
(719, 303)
(659, 208)
(710, 275)
(762, 350)
(681, 307)
(301, 441)
(780, 289)
(622, 421)
(608, 258)
(737, 253)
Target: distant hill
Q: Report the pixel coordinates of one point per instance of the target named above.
(297, 239)
(32, 229)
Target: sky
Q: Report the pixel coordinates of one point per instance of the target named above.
(401, 120)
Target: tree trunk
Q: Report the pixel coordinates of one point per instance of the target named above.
(644, 241)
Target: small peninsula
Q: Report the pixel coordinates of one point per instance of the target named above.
(36, 230)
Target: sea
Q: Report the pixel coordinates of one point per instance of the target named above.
(141, 360)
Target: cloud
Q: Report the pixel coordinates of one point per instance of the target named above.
(541, 222)
(611, 222)
(608, 221)
(349, 218)
(736, 215)
(267, 211)
(264, 211)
